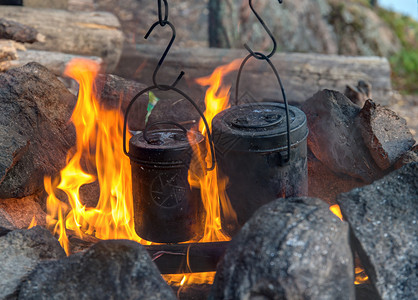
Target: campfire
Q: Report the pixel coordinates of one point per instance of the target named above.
(227, 198)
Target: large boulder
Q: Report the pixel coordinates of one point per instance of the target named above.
(322, 26)
(20, 253)
(113, 269)
(291, 248)
(385, 133)
(335, 138)
(383, 220)
(35, 134)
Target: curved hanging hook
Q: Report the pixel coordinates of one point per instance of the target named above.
(157, 68)
(162, 21)
(255, 54)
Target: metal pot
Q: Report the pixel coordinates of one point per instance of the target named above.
(252, 151)
(166, 208)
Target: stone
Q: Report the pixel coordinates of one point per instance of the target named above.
(20, 252)
(334, 137)
(23, 210)
(119, 269)
(322, 26)
(116, 92)
(385, 133)
(360, 93)
(327, 185)
(291, 248)
(35, 134)
(407, 158)
(383, 223)
(6, 221)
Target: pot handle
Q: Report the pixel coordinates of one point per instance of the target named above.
(266, 57)
(166, 88)
(161, 123)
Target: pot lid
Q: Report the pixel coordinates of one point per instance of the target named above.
(165, 146)
(258, 127)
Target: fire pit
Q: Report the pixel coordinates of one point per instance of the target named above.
(184, 206)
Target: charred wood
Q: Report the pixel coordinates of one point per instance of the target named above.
(187, 258)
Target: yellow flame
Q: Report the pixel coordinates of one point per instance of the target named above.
(335, 209)
(360, 276)
(98, 147)
(32, 223)
(212, 186)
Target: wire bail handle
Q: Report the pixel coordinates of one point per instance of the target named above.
(163, 87)
(266, 57)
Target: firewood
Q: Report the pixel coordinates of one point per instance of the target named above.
(16, 31)
(82, 33)
(186, 258)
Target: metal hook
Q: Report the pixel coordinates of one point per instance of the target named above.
(157, 68)
(162, 21)
(256, 55)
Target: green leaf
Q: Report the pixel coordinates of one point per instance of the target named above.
(152, 101)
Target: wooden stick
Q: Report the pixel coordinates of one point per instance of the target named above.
(187, 258)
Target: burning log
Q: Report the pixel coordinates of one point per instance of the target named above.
(292, 248)
(384, 231)
(82, 33)
(186, 258)
(169, 258)
(35, 135)
(11, 30)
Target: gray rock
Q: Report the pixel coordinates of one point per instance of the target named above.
(20, 252)
(34, 131)
(407, 158)
(6, 221)
(360, 93)
(113, 269)
(321, 26)
(334, 137)
(383, 220)
(291, 248)
(325, 184)
(385, 133)
(23, 210)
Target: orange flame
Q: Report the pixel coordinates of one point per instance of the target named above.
(360, 276)
(335, 209)
(32, 223)
(98, 146)
(212, 186)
